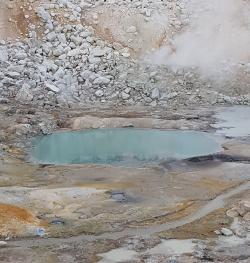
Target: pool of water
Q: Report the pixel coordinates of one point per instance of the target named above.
(121, 146)
(233, 121)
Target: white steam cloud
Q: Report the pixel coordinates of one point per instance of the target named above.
(218, 36)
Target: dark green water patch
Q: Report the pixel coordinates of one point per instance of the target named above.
(121, 146)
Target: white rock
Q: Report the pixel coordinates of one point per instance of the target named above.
(62, 39)
(86, 34)
(125, 96)
(127, 90)
(94, 60)
(51, 36)
(77, 40)
(244, 207)
(99, 93)
(4, 56)
(101, 81)
(52, 87)
(24, 94)
(42, 13)
(155, 94)
(86, 74)
(148, 12)
(13, 75)
(58, 51)
(20, 55)
(98, 52)
(226, 232)
(126, 54)
(131, 29)
(74, 52)
(59, 73)
(3, 243)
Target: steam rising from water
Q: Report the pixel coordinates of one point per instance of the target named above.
(217, 37)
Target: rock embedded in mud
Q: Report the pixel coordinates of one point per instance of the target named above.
(232, 213)
(118, 196)
(217, 232)
(57, 221)
(246, 217)
(226, 232)
(244, 207)
(40, 232)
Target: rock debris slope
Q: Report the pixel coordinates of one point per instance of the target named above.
(71, 52)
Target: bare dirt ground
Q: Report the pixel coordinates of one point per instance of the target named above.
(13, 23)
(129, 29)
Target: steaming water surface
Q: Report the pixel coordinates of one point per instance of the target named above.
(121, 146)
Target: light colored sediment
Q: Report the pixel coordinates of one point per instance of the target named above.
(16, 221)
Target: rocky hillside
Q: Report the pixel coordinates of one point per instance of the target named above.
(70, 53)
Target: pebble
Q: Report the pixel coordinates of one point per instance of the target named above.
(118, 196)
(40, 232)
(57, 221)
